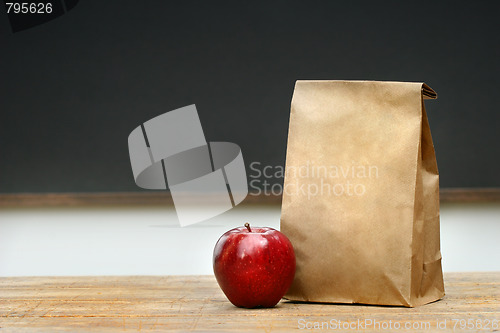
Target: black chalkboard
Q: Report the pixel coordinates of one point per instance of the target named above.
(73, 88)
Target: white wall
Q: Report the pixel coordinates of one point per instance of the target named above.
(142, 241)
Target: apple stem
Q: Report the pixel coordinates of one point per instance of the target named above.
(248, 227)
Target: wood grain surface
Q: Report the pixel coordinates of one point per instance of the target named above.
(195, 303)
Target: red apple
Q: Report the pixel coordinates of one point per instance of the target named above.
(254, 266)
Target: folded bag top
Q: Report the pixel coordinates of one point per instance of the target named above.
(361, 194)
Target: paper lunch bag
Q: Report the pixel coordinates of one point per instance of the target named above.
(361, 194)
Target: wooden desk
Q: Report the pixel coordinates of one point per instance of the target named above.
(185, 303)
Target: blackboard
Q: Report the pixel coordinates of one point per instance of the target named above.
(73, 88)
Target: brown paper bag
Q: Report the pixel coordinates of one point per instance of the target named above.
(361, 194)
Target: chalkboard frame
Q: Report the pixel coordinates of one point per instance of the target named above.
(162, 198)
